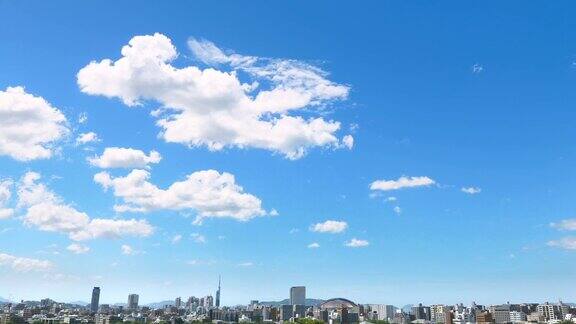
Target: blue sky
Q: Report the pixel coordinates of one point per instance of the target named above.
(448, 95)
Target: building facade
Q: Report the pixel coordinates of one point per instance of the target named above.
(133, 302)
(95, 300)
(298, 295)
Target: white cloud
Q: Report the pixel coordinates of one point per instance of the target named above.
(209, 193)
(127, 250)
(113, 229)
(313, 245)
(6, 213)
(212, 107)
(567, 243)
(198, 238)
(565, 225)
(176, 239)
(354, 127)
(119, 157)
(5, 195)
(477, 68)
(471, 190)
(402, 182)
(348, 141)
(245, 264)
(83, 118)
(78, 248)
(85, 138)
(329, 226)
(356, 243)
(29, 126)
(21, 264)
(397, 210)
(391, 199)
(47, 212)
(197, 262)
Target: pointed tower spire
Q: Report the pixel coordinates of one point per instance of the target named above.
(218, 294)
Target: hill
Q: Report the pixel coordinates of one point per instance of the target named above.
(309, 302)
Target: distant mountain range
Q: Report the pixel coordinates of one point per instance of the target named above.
(4, 301)
(309, 302)
(162, 304)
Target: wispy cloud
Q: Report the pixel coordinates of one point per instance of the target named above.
(477, 68)
(176, 239)
(21, 264)
(567, 243)
(565, 225)
(246, 264)
(313, 245)
(198, 238)
(129, 250)
(471, 190)
(198, 262)
(400, 183)
(82, 118)
(356, 243)
(329, 226)
(78, 248)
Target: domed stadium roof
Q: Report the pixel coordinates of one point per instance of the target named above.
(337, 303)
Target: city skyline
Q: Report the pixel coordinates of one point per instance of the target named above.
(296, 296)
(389, 152)
(294, 309)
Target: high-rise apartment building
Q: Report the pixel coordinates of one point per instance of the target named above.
(133, 302)
(95, 300)
(192, 303)
(517, 316)
(298, 295)
(441, 314)
(384, 312)
(208, 301)
(421, 312)
(551, 312)
(299, 311)
(286, 312)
